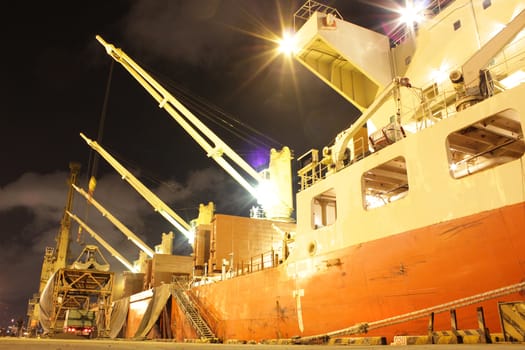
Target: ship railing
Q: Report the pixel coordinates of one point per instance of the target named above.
(440, 100)
(308, 9)
(311, 174)
(259, 262)
(436, 104)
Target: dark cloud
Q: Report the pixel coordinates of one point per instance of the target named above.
(205, 33)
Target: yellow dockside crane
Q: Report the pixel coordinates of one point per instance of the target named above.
(81, 288)
(55, 258)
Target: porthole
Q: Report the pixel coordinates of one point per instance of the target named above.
(312, 248)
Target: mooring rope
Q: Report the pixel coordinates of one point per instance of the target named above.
(363, 327)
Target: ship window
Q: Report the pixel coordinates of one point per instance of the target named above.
(385, 183)
(490, 142)
(457, 25)
(486, 3)
(324, 209)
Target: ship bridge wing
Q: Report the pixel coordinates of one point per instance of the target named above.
(352, 60)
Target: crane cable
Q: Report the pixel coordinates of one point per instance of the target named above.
(94, 167)
(219, 117)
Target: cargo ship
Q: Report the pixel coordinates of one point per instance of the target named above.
(420, 203)
(417, 210)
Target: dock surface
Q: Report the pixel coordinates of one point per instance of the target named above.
(10, 343)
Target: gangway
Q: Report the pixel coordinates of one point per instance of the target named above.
(191, 311)
(277, 205)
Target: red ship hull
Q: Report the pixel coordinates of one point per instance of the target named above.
(377, 280)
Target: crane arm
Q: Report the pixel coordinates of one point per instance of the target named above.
(490, 49)
(149, 196)
(105, 244)
(175, 109)
(126, 231)
(62, 247)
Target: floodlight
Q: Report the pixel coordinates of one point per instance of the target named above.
(287, 44)
(412, 13)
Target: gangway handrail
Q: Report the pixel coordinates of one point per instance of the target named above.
(192, 313)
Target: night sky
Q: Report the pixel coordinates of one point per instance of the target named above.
(54, 80)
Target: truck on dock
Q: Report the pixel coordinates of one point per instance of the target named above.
(80, 322)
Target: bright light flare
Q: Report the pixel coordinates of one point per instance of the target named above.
(441, 74)
(374, 201)
(267, 56)
(271, 53)
(288, 44)
(267, 194)
(411, 13)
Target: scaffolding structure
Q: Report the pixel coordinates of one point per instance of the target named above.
(84, 290)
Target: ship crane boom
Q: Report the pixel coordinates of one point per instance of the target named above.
(103, 242)
(276, 205)
(185, 118)
(126, 231)
(482, 57)
(149, 196)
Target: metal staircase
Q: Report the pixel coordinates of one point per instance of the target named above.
(192, 313)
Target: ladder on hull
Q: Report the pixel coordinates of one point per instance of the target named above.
(192, 313)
